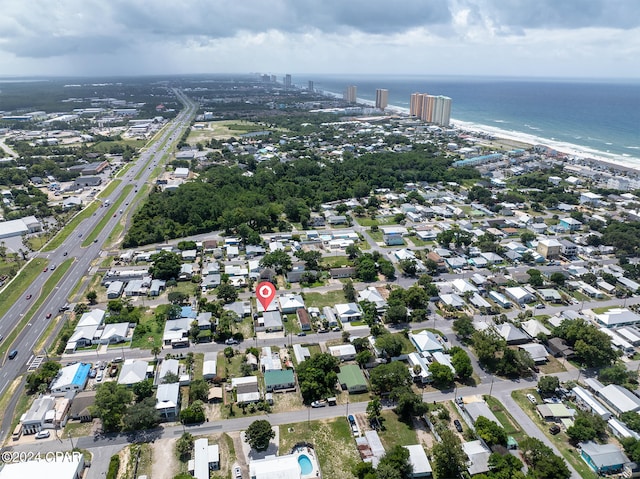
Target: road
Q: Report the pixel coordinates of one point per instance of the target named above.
(82, 257)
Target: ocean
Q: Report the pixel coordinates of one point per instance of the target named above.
(597, 116)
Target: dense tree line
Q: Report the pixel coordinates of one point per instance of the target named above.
(224, 198)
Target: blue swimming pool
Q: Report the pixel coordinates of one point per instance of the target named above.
(305, 465)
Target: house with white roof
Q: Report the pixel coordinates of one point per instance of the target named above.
(289, 303)
(478, 454)
(133, 371)
(210, 366)
(512, 334)
(39, 416)
(619, 399)
(176, 332)
(519, 295)
(206, 458)
(616, 317)
(537, 351)
(115, 333)
(343, 352)
(167, 366)
(426, 341)
(533, 327)
(372, 295)
(95, 317)
(462, 286)
(70, 378)
(348, 312)
(168, 400)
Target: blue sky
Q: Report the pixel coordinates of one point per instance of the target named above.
(548, 38)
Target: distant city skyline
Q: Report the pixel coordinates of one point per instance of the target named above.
(521, 38)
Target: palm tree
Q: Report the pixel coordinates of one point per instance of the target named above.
(155, 350)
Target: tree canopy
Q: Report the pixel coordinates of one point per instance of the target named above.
(259, 434)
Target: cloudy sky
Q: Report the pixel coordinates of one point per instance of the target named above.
(559, 38)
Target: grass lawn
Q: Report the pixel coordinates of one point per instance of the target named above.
(320, 300)
(382, 221)
(554, 365)
(105, 146)
(37, 242)
(376, 236)
(506, 421)
(395, 431)
(334, 446)
(153, 334)
(417, 241)
(559, 440)
(75, 429)
(22, 406)
(601, 310)
(70, 227)
(111, 187)
(198, 361)
(335, 261)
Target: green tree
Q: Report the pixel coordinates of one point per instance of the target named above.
(631, 419)
(408, 267)
(142, 415)
(558, 278)
(461, 363)
(463, 327)
(387, 377)
(311, 258)
(541, 459)
(317, 377)
(616, 374)
(408, 403)
(395, 464)
(42, 376)
(278, 260)
(184, 446)
(441, 374)
(227, 292)
(547, 385)
(349, 291)
(491, 432)
(364, 357)
(396, 313)
(166, 265)
(374, 410)
(177, 297)
(92, 296)
(110, 404)
(198, 390)
(143, 389)
(194, 414)
(390, 344)
(448, 458)
(259, 434)
(585, 427)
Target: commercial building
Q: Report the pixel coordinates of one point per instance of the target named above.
(382, 98)
(70, 378)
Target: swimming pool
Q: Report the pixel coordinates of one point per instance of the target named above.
(305, 465)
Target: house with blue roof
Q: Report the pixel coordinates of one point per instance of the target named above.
(70, 378)
(188, 312)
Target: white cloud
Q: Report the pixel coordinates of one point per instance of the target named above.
(87, 37)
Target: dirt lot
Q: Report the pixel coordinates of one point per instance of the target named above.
(169, 465)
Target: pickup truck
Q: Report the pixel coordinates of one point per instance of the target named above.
(320, 403)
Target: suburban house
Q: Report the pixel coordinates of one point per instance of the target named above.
(247, 390)
(133, 371)
(419, 461)
(275, 379)
(290, 303)
(168, 400)
(343, 352)
(70, 378)
(352, 379)
(210, 366)
(348, 312)
(303, 319)
(426, 341)
(206, 458)
(603, 458)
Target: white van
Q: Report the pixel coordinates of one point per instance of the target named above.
(532, 399)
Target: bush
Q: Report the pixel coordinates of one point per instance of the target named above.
(114, 466)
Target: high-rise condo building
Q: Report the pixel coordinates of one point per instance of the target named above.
(351, 94)
(382, 98)
(432, 109)
(310, 87)
(287, 81)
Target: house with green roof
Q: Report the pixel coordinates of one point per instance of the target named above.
(352, 379)
(277, 379)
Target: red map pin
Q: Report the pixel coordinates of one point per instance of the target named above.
(265, 292)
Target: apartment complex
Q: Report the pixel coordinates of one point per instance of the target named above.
(382, 98)
(430, 108)
(350, 94)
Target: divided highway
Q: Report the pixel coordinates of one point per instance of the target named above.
(82, 257)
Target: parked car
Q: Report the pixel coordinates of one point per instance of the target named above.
(43, 434)
(99, 376)
(532, 399)
(302, 333)
(318, 404)
(237, 473)
(554, 429)
(457, 424)
(231, 341)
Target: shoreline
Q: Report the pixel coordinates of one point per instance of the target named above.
(572, 151)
